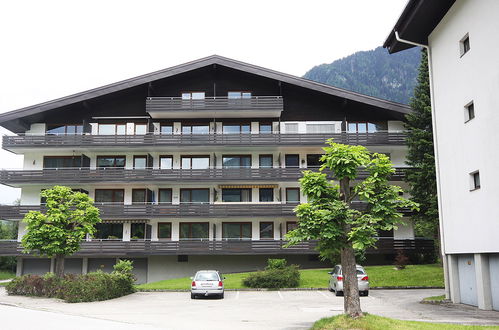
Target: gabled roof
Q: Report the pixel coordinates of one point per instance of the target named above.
(417, 21)
(189, 66)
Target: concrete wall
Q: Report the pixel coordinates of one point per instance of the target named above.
(493, 274)
(467, 279)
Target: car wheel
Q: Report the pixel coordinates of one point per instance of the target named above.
(330, 289)
(339, 293)
(366, 293)
(193, 296)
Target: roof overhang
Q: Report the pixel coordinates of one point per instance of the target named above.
(417, 21)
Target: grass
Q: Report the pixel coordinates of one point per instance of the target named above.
(435, 298)
(5, 275)
(386, 276)
(374, 322)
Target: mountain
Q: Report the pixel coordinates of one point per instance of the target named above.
(373, 72)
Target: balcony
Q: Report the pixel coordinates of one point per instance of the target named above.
(214, 107)
(121, 175)
(149, 211)
(249, 247)
(126, 142)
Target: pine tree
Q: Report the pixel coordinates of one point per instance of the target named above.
(422, 177)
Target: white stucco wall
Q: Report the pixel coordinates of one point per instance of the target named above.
(470, 218)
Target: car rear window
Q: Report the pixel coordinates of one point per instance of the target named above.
(360, 272)
(207, 277)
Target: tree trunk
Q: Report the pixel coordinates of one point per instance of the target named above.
(351, 300)
(59, 265)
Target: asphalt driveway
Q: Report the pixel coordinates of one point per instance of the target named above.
(248, 309)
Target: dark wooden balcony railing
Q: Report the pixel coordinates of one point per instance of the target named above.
(186, 140)
(107, 175)
(218, 103)
(148, 211)
(226, 247)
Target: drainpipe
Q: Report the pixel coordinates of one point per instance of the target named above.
(437, 159)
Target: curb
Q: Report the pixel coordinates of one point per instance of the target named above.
(301, 289)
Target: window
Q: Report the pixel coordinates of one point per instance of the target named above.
(165, 196)
(291, 128)
(139, 196)
(236, 195)
(469, 112)
(291, 225)
(61, 161)
(166, 129)
(109, 196)
(464, 44)
(195, 129)
(195, 162)
(367, 127)
(320, 128)
(139, 162)
(236, 161)
(140, 129)
(164, 230)
(238, 95)
(266, 194)
(194, 230)
(236, 128)
(193, 95)
(165, 162)
(266, 161)
(194, 195)
(109, 231)
(112, 129)
(475, 180)
(266, 230)
(292, 195)
(265, 128)
(138, 230)
(64, 129)
(314, 160)
(236, 230)
(292, 160)
(111, 161)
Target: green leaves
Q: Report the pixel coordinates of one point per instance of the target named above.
(70, 216)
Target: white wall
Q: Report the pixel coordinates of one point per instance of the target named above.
(470, 218)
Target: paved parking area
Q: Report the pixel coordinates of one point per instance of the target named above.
(253, 310)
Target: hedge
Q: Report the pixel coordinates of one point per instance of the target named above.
(276, 275)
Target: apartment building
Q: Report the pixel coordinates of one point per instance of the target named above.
(461, 37)
(195, 166)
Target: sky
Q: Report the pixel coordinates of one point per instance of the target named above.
(50, 49)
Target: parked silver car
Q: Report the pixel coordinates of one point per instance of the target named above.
(336, 281)
(207, 283)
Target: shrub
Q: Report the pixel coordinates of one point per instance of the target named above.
(287, 277)
(401, 260)
(276, 264)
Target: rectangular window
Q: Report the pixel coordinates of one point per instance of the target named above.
(140, 129)
(138, 231)
(320, 128)
(195, 162)
(140, 162)
(110, 196)
(194, 195)
(194, 230)
(238, 95)
(236, 128)
(265, 128)
(236, 195)
(111, 161)
(165, 230)
(139, 196)
(165, 196)
(166, 129)
(292, 195)
(292, 160)
(266, 161)
(109, 231)
(64, 129)
(291, 225)
(61, 161)
(166, 162)
(266, 230)
(314, 160)
(464, 44)
(236, 230)
(112, 129)
(266, 194)
(193, 95)
(236, 161)
(195, 129)
(291, 128)
(367, 127)
(469, 112)
(475, 180)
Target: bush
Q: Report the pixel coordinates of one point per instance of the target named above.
(276, 264)
(77, 288)
(287, 277)
(401, 260)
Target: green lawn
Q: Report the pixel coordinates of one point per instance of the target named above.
(435, 298)
(417, 275)
(373, 322)
(5, 274)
